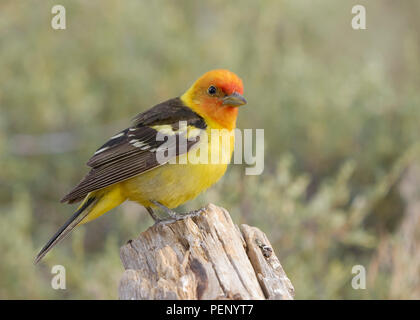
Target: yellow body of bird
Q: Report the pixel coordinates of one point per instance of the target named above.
(169, 184)
(127, 167)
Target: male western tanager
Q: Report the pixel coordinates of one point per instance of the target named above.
(126, 167)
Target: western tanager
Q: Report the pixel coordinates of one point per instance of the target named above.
(126, 167)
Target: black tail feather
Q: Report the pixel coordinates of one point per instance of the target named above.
(65, 229)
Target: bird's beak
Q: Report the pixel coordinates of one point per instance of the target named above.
(234, 100)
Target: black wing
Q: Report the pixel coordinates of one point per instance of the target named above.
(133, 150)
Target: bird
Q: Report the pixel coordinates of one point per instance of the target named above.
(126, 167)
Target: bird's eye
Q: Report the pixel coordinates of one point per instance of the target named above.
(212, 90)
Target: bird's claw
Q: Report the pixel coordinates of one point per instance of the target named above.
(173, 217)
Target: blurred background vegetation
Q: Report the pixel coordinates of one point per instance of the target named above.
(340, 109)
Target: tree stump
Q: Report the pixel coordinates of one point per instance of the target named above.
(202, 257)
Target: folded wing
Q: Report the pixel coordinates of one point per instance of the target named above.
(133, 151)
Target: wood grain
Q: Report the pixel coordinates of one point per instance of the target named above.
(202, 257)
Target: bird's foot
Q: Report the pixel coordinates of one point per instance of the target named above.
(172, 215)
(195, 213)
(180, 216)
(155, 218)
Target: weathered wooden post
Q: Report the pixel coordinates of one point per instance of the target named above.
(202, 257)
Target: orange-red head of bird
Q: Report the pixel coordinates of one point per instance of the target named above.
(216, 96)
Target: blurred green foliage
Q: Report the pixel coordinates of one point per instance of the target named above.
(340, 109)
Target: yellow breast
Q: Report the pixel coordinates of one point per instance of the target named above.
(175, 184)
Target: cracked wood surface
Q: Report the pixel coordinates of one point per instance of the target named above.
(202, 257)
